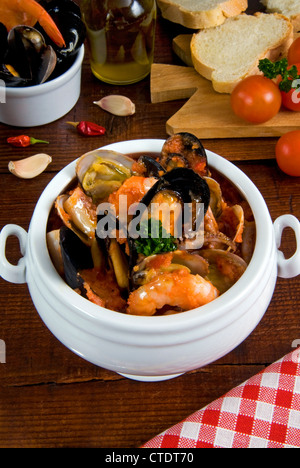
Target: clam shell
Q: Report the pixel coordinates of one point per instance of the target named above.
(106, 184)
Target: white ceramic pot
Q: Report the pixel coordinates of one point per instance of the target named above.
(39, 105)
(152, 348)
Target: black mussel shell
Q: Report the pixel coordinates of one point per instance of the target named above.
(67, 17)
(188, 185)
(29, 61)
(76, 257)
(7, 74)
(184, 150)
(10, 80)
(153, 167)
(3, 42)
(25, 48)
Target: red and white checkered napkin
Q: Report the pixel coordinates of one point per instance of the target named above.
(263, 412)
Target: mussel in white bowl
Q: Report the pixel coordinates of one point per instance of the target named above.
(175, 339)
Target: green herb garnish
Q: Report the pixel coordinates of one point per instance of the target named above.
(154, 239)
(281, 67)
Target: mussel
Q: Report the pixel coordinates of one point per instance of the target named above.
(28, 60)
(76, 256)
(151, 167)
(188, 196)
(84, 269)
(67, 17)
(28, 56)
(184, 150)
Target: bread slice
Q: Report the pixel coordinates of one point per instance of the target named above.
(199, 14)
(228, 53)
(288, 8)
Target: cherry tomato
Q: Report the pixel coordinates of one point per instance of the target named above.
(256, 99)
(291, 100)
(294, 52)
(288, 153)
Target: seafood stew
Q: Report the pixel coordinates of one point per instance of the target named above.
(151, 233)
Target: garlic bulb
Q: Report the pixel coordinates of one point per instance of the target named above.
(117, 105)
(30, 167)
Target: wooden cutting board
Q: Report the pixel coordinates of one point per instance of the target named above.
(207, 114)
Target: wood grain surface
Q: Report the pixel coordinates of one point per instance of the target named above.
(51, 398)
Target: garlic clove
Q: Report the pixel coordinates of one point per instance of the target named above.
(117, 105)
(30, 167)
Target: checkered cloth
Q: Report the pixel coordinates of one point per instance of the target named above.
(263, 412)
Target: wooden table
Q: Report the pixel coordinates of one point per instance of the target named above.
(49, 397)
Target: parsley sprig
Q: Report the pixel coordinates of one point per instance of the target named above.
(154, 239)
(281, 68)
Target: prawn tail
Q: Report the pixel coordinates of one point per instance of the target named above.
(51, 29)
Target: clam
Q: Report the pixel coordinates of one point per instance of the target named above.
(215, 196)
(78, 214)
(225, 268)
(102, 172)
(148, 267)
(249, 238)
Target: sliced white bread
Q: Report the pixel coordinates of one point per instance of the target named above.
(288, 8)
(199, 14)
(228, 53)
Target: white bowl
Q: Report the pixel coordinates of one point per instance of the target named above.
(42, 104)
(152, 348)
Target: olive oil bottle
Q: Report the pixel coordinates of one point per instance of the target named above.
(121, 37)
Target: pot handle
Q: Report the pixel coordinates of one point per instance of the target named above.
(287, 268)
(13, 273)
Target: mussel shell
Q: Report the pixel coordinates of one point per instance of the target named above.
(153, 168)
(26, 45)
(67, 17)
(30, 57)
(76, 256)
(10, 80)
(184, 182)
(3, 42)
(184, 150)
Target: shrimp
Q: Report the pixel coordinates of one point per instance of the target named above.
(134, 188)
(29, 12)
(177, 289)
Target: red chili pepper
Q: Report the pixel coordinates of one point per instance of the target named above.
(88, 128)
(22, 141)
